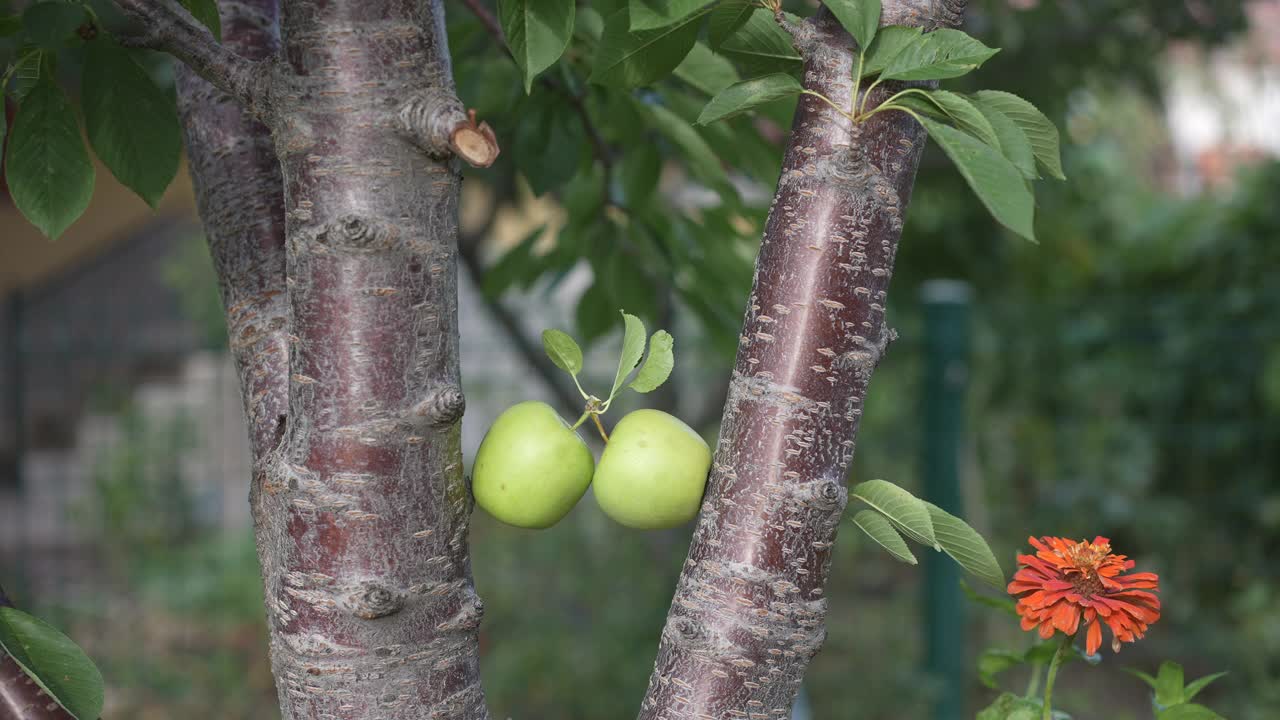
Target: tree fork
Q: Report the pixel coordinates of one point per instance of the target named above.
(749, 609)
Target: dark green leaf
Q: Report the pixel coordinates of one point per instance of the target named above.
(761, 47)
(1042, 133)
(745, 95)
(1169, 681)
(658, 365)
(516, 267)
(994, 661)
(995, 180)
(132, 123)
(1144, 677)
(1195, 686)
(878, 528)
(48, 169)
(1011, 707)
(562, 350)
(938, 55)
(860, 17)
(1014, 144)
(51, 24)
(698, 155)
(966, 546)
(593, 316)
(206, 13)
(31, 64)
(10, 25)
(54, 661)
(633, 338)
(1188, 711)
(965, 116)
(537, 31)
(639, 174)
(906, 511)
(548, 141)
(589, 23)
(888, 43)
(650, 14)
(632, 59)
(706, 71)
(726, 18)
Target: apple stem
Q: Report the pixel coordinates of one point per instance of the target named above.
(599, 427)
(581, 420)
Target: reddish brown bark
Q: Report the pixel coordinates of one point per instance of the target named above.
(749, 611)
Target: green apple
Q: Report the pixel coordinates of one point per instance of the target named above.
(653, 471)
(532, 468)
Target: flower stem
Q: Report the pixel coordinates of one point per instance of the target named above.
(1033, 685)
(1058, 657)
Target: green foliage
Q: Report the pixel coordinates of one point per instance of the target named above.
(131, 122)
(54, 661)
(860, 17)
(1172, 696)
(964, 545)
(52, 25)
(939, 55)
(47, 167)
(206, 12)
(880, 529)
(650, 14)
(537, 33)
(633, 341)
(628, 59)
(907, 512)
(738, 98)
(657, 366)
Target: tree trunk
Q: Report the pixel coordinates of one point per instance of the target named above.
(349, 368)
(749, 610)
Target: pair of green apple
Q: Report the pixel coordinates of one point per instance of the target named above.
(532, 468)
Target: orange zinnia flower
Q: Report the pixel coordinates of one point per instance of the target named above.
(1066, 582)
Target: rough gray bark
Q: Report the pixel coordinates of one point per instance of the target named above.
(749, 610)
(360, 505)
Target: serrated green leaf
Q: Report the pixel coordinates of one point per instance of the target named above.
(31, 64)
(562, 350)
(132, 124)
(657, 367)
(47, 167)
(726, 18)
(995, 180)
(1014, 144)
(965, 115)
(639, 173)
(629, 59)
(761, 47)
(54, 661)
(1169, 681)
(698, 155)
(592, 314)
(51, 24)
(537, 32)
(589, 23)
(1188, 711)
(706, 71)
(888, 43)
(743, 96)
(206, 12)
(633, 337)
(906, 511)
(938, 55)
(994, 661)
(878, 528)
(1193, 689)
(650, 14)
(1042, 133)
(966, 546)
(860, 17)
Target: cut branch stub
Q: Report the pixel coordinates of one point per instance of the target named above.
(436, 122)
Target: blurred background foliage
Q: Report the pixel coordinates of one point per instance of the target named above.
(1125, 378)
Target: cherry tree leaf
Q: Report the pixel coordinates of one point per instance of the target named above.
(562, 350)
(657, 367)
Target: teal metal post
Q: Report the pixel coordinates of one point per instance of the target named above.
(946, 371)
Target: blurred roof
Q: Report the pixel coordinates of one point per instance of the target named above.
(27, 258)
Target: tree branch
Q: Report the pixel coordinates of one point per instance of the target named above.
(437, 122)
(168, 27)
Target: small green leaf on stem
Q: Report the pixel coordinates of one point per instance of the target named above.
(650, 14)
(1188, 711)
(906, 511)
(54, 661)
(726, 18)
(860, 17)
(627, 59)
(878, 528)
(537, 32)
(888, 43)
(657, 367)
(1194, 688)
(563, 351)
(995, 180)
(632, 350)
(1169, 680)
(743, 96)
(1042, 133)
(966, 546)
(938, 55)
